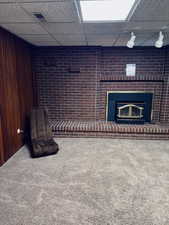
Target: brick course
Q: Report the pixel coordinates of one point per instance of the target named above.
(72, 82)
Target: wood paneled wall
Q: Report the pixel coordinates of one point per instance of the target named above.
(1, 145)
(16, 93)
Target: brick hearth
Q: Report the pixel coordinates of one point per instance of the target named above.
(108, 129)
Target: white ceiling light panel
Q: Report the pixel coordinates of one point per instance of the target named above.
(105, 10)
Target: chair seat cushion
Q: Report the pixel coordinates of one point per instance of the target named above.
(44, 147)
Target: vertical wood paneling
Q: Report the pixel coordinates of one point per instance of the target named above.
(10, 106)
(1, 145)
(24, 80)
(16, 89)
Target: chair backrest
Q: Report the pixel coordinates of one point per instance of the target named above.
(40, 125)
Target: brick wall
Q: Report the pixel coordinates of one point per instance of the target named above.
(72, 82)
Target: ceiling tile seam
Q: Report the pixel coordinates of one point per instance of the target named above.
(65, 15)
(3, 23)
(40, 24)
(116, 40)
(113, 42)
(155, 5)
(35, 22)
(79, 14)
(147, 21)
(20, 1)
(51, 35)
(134, 7)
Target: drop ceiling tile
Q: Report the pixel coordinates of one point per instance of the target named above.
(147, 39)
(149, 42)
(104, 28)
(103, 40)
(70, 38)
(64, 28)
(7, 1)
(141, 39)
(54, 11)
(34, 1)
(146, 26)
(24, 28)
(166, 38)
(30, 1)
(45, 43)
(122, 40)
(13, 13)
(100, 43)
(73, 43)
(151, 10)
(38, 38)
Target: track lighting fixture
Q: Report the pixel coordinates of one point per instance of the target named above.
(159, 42)
(130, 43)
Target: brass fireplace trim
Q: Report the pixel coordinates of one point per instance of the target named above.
(130, 106)
(109, 92)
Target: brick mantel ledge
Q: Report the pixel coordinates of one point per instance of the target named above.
(145, 78)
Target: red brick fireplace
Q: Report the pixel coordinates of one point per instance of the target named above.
(73, 82)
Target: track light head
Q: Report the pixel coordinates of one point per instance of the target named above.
(131, 42)
(159, 42)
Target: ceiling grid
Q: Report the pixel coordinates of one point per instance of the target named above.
(64, 26)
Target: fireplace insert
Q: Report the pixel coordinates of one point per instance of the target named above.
(129, 107)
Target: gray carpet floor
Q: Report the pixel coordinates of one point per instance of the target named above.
(89, 182)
